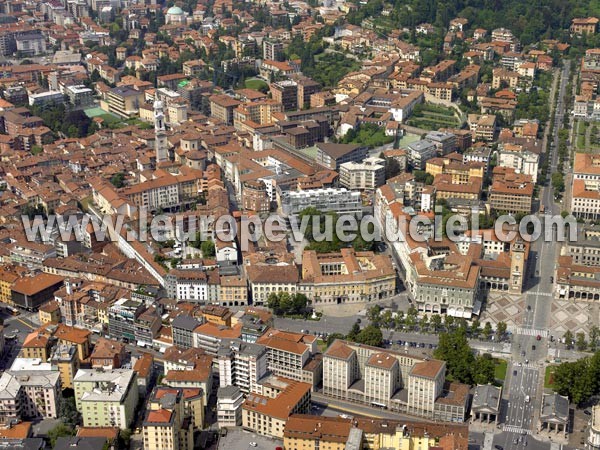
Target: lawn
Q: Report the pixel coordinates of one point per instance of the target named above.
(255, 83)
(321, 345)
(408, 138)
(500, 369)
(548, 381)
(432, 117)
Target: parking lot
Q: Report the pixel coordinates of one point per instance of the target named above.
(238, 439)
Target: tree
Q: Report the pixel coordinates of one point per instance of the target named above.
(60, 430)
(487, 330)
(284, 304)
(453, 347)
(568, 338)
(581, 343)
(475, 327)
(424, 322)
(208, 249)
(354, 331)
(448, 321)
(594, 335)
(386, 319)
(124, 437)
(373, 314)
(370, 335)
(436, 321)
(501, 329)
(558, 182)
(68, 412)
(117, 180)
(332, 337)
(484, 369)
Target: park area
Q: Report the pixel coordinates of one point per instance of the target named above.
(588, 137)
(433, 117)
(549, 377)
(257, 84)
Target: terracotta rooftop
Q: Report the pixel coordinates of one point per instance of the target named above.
(427, 369)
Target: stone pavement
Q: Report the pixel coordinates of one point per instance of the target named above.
(504, 307)
(574, 316)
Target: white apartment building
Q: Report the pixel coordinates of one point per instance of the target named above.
(341, 201)
(229, 406)
(516, 157)
(241, 364)
(366, 175)
(191, 286)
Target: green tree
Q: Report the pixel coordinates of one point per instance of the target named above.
(448, 321)
(581, 343)
(501, 329)
(487, 330)
(370, 335)
(484, 369)
(475, 327)
(60, 430)
(118, 180)
(424, 322)
(208, 249)
(68, 412)
(386, 319)
(354, 331)
(124, 437)
(453, 347)
(594, 335)
(568, 337)
(374, 314)
(332, 337)
(558, 182)
(436, 321)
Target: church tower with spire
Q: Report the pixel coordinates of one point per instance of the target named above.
(161, 145)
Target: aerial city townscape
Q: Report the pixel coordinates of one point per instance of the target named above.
(300, 225)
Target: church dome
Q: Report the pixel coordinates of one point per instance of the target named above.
(175, 11)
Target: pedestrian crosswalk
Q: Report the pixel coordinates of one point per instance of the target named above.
(540, 294)
(533, 332)
(530, 366)
(515, 429)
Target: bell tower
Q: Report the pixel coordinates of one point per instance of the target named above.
(517, 267)
(161, 145)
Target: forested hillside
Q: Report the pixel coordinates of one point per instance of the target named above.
(529, 20)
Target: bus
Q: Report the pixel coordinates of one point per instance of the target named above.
(14, 311)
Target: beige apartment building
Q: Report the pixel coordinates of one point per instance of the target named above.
(396, 381)
(29, 390)
(267, 412)
(511, 192)
(585, 196)
(425, 384)
(166, 426)
(346, 277)
(287, 352)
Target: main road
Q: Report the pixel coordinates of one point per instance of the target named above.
(523, 387)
